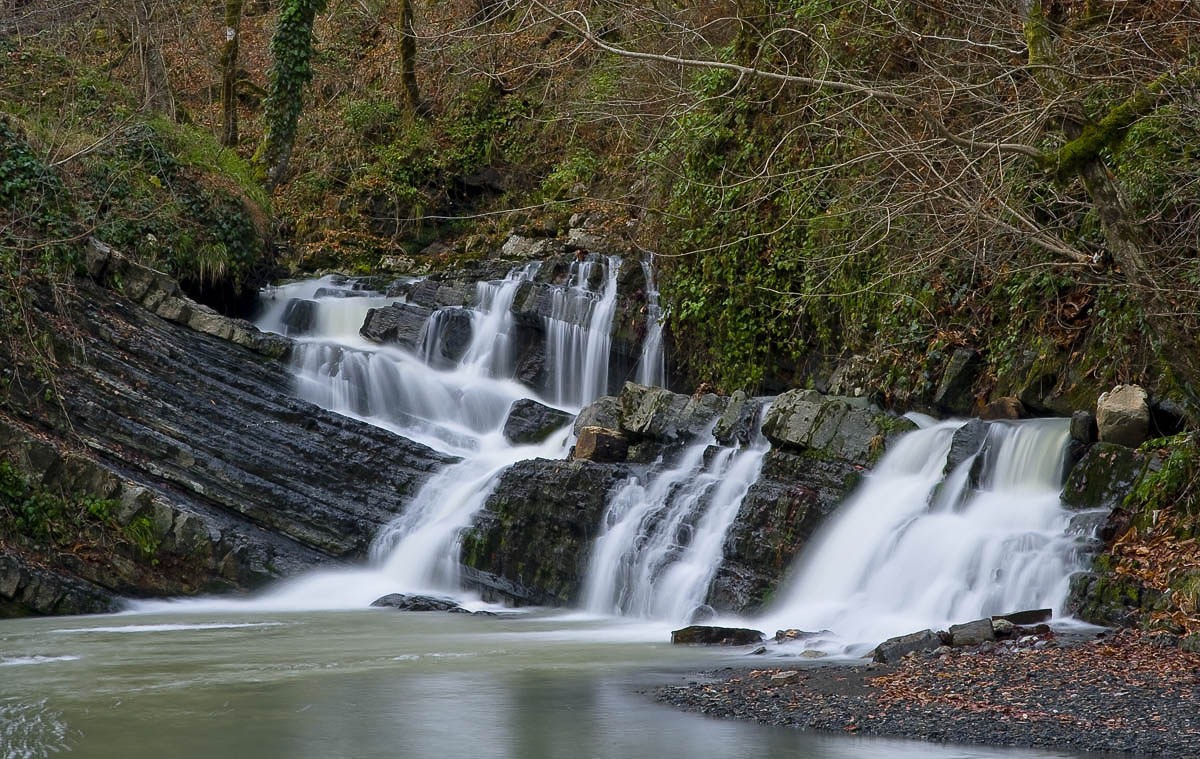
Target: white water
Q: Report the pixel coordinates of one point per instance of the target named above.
(900, 555)
(665, 532)
(652, 368)
(458, 410)
(578, 334)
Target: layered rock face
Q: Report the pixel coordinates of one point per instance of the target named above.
(188, 419)
(533, 539)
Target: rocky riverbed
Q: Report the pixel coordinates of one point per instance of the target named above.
(1122, 692)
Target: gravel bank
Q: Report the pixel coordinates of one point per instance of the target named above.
(1117, 693)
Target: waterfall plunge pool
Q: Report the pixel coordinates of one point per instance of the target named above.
(317, 685)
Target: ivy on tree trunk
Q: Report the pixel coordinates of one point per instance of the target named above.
(229, 57)
(291, 49)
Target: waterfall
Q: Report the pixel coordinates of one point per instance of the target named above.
(578, 333)
(664, 534)
(455, 405)
(916, 548)
(652, 367)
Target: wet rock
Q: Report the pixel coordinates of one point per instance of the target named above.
(26, 588)
(972, 633)
(1167, 417)
(1027, 617)
(968, 441)
(831, 426)
(601, 445)
(520, 248)
(404, 602)
(530, 422)
(1002, 628)
(551, 510)
(1083, 427)
(953, 395)
(704, 635)
(246, 482)
(784, 636)
(397, 324)
(737, 422)
(454, 329)
(298, 316)
(603, 412)
(787, 677)
(1103, 477)
(655, 412)
(1007, 407)
(894, 649)
(1123, 416)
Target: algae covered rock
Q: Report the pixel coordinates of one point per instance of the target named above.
(1103, 478)
(836, 427)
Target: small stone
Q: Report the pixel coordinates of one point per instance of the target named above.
(786, 678)
(972, 633)
(812, 653)
(1002, 627)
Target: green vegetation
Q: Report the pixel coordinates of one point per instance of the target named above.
(80, 523)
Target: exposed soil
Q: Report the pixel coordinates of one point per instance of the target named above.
(1120, 693)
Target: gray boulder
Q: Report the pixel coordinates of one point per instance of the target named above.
(968, 440)
(831, 426)
(655, 412)
(530, 422)
(603, 412)
(454, 329)
(894, 649)
(737, 422)
(1083, 427)
(398, 324)
(1123, 416)
(972, 633)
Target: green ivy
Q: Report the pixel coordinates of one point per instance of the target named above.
(290, 74)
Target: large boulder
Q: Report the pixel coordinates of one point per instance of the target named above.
(893, 650)
(831, 426)
(972, 633)
(1123, 415)
(655, 412)
(603, 412)
(531, 541)
(1103, 477)
(398, 324)
(968, 441)
(530, 422)
(703, 635)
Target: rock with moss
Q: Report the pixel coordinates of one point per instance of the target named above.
(832, 426)
(1104, 477)
(954, 392)
(659, 414)
(531, 541)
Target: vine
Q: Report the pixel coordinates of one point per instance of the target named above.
(291, 49)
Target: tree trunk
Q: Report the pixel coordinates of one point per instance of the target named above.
(156, 88)
(408, 57)
(229, 58)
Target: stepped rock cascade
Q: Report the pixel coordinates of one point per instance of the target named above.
(449, 391)
(652, 368)
(578, 333)
(665, 532)
(916, 547)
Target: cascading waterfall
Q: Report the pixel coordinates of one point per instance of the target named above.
(652, 367)
(578, 333)
(665, 534)
(458, 407)
(916, 548)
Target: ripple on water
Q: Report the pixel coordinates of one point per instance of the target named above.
(31, 730)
